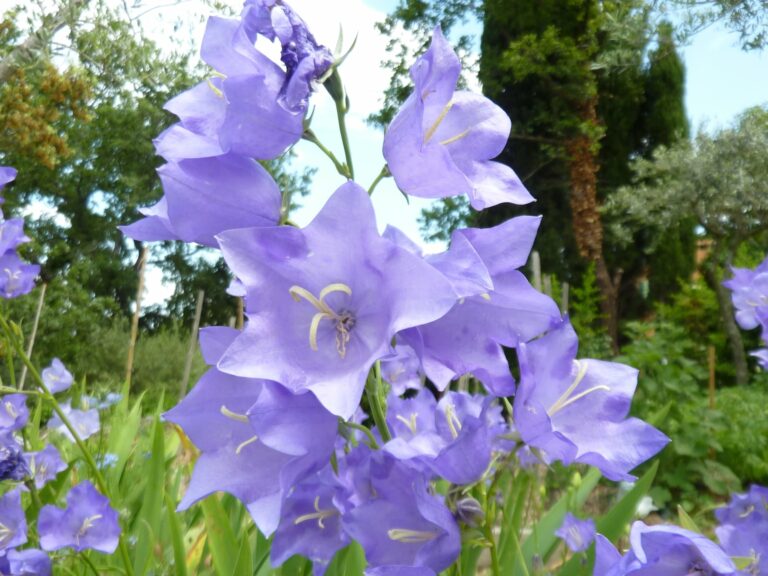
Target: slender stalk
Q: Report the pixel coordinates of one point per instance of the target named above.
(46, 393)
(364, 430)
(342, 169)
(383, 174)
(341, 112)
(87, 560)
(373, 391)
(33, 335)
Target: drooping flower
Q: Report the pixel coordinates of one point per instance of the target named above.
(441, 142)
(324, 302)
(662, 550)
(576, 410)
(13, 523)
(44, 465)
(577, 534)
(87, 522)
(306, 61)
(56, 377)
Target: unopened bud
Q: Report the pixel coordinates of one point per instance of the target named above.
(469, 511)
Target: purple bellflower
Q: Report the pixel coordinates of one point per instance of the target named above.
(56, 377)
(576, 410)
(7, 174)
(85, 422)
(306, 62)
(325, 301)
(451, 438)
(662, 551)
(503, 310)
(403, 524)
(402, 370)
(44, 465)
(205, 196)
(13, 523)
(441, 142)
(310, 522)
(29, 562)
(743, 529)
(88, 522)
(12, 463)
(13, 412)
(16, 276)
(750, 295)
(577, 534)
(234, 459)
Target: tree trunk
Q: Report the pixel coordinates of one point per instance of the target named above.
(732, 331)
(587, 225)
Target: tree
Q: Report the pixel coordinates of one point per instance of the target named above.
(721, 182)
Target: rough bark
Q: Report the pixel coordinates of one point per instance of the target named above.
(728, 315)
(587, 225)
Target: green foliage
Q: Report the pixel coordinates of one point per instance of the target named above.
(586, 318)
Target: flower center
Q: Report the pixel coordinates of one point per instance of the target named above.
(11, 410)
(407, 536)
(318, 514)
(344, 321)
(566, 399)
(436, 125)
(454, 424)
(5, 534)
(409, 422)
(87, 525)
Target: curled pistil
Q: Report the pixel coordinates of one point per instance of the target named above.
(344, 321)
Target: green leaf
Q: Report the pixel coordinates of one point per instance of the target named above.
(542, 540)
(221, 538)
(177, 538)
(244, 564)
(151, 508)
(686, 521)
(349, 561)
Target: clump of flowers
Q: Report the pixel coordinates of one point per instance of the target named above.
(16, 276)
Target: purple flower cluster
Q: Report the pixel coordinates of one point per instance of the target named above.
(16, 276)
(316, 415)
(87, 522)
(750, 298)
(743, 529)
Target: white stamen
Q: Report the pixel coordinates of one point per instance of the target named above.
(344, 321)
(410, 422)
(233, 415)
(318, 515)
(565, 399)
(453, 421)
(242, 445)
(410, 536)
(437, 122)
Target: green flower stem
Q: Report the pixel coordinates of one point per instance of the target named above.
(342, 169)
(46, 393)
(9, 390)
(366, 431)
(383, 174)
(375, 403)
(341, 112)
(490, 519)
